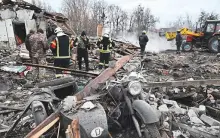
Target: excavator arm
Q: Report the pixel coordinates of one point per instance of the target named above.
(184, 31)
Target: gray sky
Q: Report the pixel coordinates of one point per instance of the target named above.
(166, 10)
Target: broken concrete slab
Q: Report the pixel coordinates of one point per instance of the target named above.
(209, 120)
(194, 118)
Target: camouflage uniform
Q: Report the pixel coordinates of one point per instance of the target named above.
(39, 46)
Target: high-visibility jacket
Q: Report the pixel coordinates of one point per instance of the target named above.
(105, 44)
(61, 47)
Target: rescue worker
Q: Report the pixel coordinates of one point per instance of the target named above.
(39, 45)
(105, 45)
(82, 43)
(27, 43)
(179, 40)
(143, 39)
(61, 47)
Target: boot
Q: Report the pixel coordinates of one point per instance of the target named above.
(100, 67)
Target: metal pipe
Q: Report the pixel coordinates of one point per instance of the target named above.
(74, 72)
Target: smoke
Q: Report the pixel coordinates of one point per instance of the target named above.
(156, 43)
(159, 44)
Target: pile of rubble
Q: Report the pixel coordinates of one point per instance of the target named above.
(190, 110)
(166, 66)
(187, 111)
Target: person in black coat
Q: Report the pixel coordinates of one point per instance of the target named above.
(83, 45)
(179, 40)
(143, 39)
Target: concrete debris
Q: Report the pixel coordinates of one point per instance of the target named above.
(184, 111)
(182, 91)
(209, 120)
(179, 134)
(193, 118)
(88, 106)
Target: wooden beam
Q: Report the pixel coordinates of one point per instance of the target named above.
(45, 125)
(103, 77)
(45, 129)
(182, 83)
(75, 128)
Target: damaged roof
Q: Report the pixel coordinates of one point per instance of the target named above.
(53, 18)
(9, 4)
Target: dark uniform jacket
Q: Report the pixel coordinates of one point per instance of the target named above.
(143, 39)
(179, 39)
(61, 47)
(105, 44)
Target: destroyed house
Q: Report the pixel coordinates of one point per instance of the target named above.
(18, 18)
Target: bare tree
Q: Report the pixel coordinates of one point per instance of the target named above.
(124, 21)
(42, 5)
(189, 22)
(77, 12)
(87, 14)
(98, 14)
(117, 19)
(207, 16)
(131, 23)
(143, 19)
(99, 9)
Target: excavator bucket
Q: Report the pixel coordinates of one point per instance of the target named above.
(170, 36)
(184, 31)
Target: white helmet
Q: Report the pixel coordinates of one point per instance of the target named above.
(144, 31)
(106, 35)
(57, 30)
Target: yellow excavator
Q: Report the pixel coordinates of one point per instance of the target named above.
(206, 38)
(184, 31)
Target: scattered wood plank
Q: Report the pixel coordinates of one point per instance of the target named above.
(45, 125)
(75, 128)
(45, 129)
(105, 75)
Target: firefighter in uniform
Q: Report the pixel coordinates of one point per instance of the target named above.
(61, 47)
(82, 43)
(143, 40)
(105, 45)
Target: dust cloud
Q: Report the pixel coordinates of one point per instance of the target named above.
(156, 44)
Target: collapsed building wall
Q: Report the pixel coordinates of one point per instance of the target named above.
(18, 18)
